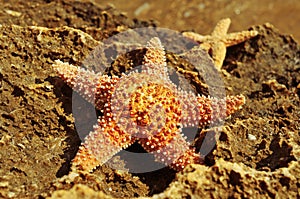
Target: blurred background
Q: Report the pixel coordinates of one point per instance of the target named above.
(202, 15)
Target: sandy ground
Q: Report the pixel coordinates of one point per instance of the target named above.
(201, 15)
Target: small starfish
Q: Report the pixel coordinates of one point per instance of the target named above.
(216, 43)
(142, 106)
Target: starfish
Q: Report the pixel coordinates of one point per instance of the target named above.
(144, 106)
(216, 43)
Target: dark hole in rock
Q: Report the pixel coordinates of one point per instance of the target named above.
(8, 116)
(285, 181)
(280, 157)
(235, 178)
(17, 92)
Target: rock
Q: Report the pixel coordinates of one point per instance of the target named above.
(38, 138)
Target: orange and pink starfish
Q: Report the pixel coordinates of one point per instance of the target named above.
(145, 107)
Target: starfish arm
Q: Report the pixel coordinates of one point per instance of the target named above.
(194, 36)
(233, 103)
(84, 161)
(190, 113)
(171, 149)
(218, 54)
(100, 145)
(221, 28)
(197, 37)
(81, 80)
(155, 58)
(187, 157)
(95, 88)
(211, 109)
(238, 37)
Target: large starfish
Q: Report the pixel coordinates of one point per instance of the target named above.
(216, 43)
(144, 106)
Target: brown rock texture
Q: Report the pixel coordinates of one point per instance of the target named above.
(256, 156)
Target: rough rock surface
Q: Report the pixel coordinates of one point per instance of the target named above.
(257, 154)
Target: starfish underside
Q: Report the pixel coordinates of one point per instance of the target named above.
(216, 43)
(145, 107)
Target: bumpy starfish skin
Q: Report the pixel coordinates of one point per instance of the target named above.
(216, 43)
(144, 106)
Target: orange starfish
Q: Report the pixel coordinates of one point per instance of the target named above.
(144, 106)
